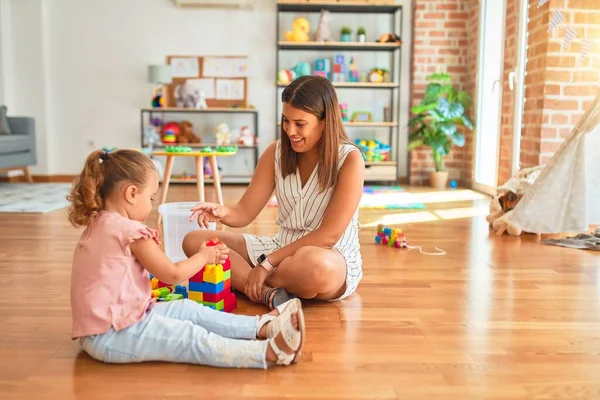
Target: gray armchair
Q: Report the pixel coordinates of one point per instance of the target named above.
(17, 149)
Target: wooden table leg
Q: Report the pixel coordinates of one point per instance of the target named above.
(28, 177)
(200, 177)
(165, 183)
(216, 178)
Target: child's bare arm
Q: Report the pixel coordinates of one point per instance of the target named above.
(158, 264)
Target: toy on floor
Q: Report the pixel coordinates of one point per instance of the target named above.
(163, 292)
(299, 32)
(211, 286)
(391, 237)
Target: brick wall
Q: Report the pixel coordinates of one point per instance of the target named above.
(441, 44)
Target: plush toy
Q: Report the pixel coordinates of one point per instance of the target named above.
(323, 34)
(388, 38)
(187, 133)
(246, 138)
(302, 69)
(376, 75)
(222, 134)
(285, 76)
(201, 103)
(299, 32)
(186, 95)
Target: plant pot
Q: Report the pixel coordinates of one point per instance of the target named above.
(346, 38)
(439, 179)
(362, 38)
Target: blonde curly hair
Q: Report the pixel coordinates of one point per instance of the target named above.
(100, 176)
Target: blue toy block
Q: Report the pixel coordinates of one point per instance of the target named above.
(387, 231)
(377, 239)
(323, 64)
(205, 287)
(182, 290)
(340, 59)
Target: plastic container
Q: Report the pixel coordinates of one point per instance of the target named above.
(176, 224)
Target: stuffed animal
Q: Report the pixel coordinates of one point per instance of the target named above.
(376, 75)
(246, 138)
(186, 95)
(388, 38)
(201, 103)
(299, 32)
(187, 133)
(222, 134)
(323, 34)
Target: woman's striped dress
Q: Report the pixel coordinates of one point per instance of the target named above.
(301, 210)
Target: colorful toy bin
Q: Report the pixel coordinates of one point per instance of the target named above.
(176, 224)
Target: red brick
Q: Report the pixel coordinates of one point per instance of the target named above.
(454, 24)
(552, 89)
(434, 16)
(558, 76)
(451, 7)
(550, 147)
(587, 90)
(419, 23)
(549, 133)
(461, 16)
(562, 105)
(561, 61)
(441, 42)
(585, 76)
(437, 33)
(560, 119)
(565, 132)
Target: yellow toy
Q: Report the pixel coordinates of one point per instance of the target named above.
(299, 32)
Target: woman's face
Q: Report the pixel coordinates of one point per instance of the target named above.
(303, 129)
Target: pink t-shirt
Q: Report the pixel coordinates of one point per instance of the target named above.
(109, 287)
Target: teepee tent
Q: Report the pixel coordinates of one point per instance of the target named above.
(566, 195)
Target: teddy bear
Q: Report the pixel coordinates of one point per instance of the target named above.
(187, 133)
(299, 32)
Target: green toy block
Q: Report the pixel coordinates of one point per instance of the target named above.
(215, 306)
(172, 297)
(227, 275)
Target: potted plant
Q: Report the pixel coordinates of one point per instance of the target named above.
(437, 122)
(346, 34)
(362, 34)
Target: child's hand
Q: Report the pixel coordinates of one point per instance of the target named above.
(208, 212)
(214, 254)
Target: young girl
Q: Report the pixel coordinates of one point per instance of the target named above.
(113, 313)
(317, 175)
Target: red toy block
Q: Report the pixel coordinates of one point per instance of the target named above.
(385, 240)
(230, 303)
(198, 276)
(215, 298)
(162, 284)
(227, 285)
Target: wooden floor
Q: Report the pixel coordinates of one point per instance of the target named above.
(494, 318)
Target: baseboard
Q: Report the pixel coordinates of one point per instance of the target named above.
(40, 178)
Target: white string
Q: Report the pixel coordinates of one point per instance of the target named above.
(442, 252)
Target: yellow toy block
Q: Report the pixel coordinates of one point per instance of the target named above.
(154, 283)
(196, 296)
(213, 274)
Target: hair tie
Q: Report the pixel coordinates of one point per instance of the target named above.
(103, 157)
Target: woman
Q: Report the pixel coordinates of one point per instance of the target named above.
(318, 176)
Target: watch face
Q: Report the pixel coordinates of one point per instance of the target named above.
(261, 258)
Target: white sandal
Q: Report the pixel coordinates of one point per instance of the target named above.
(285, 312)
(293, 339)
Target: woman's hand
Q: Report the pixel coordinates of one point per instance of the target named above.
(208, 212)
(254, 283)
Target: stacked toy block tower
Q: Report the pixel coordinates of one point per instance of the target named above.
(211, 286)
(391, 237)
(339, 68)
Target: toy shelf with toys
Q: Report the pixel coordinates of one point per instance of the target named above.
(172, 126)
(357, 45)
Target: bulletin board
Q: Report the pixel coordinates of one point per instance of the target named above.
(223, 79)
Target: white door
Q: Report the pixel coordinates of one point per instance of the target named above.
(489, 93)
(517, 86)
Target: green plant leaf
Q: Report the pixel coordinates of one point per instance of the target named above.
(414, 144)
(422, 108)
(448, 127)
(436, 115)
(458, 139)
(450, 110)
(416, 134)
(467, 121)
(464, 98)
(442, 77)
(415, 121)
(432, 93)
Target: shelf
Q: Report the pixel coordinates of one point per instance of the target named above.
(357, 85)
(200, 145)
(380, 163)
(340, 46)
(196, 110)
(366, 124)
(337, 7)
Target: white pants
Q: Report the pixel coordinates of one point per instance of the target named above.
(183, 331)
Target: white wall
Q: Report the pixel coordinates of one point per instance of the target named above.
(80, 67)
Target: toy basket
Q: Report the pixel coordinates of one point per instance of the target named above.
(176, 225)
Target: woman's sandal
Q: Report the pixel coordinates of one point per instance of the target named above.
(273, 297)
(293, 338)
(276, 321)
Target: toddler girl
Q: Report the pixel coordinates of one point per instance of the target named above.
(115, 318)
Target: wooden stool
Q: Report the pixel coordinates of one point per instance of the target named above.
(199, 156)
